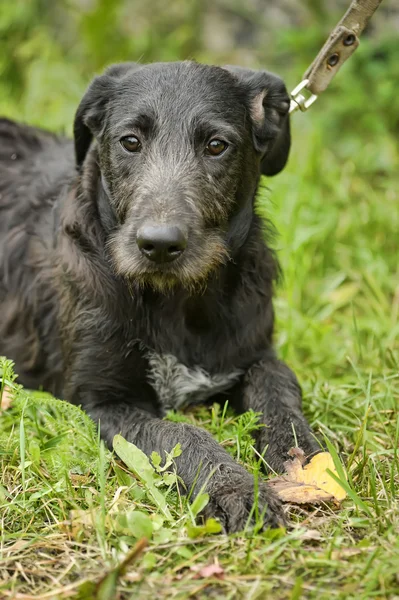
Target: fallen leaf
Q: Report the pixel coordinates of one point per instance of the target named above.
(346, 552)
(308, 484)
(213, 570)
(78, 480)
(298, 493)
(79, 523)
(312, 535)
(297, 453)
(6, 398)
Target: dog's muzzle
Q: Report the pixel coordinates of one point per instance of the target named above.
(161, 243)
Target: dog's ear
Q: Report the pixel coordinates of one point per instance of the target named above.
(90, 116)
(269, 104)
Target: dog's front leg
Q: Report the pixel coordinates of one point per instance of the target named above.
(272, 389)
(203, 464)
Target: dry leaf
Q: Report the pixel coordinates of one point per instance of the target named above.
(312, 535)
(346, 552)
(308, 484)
(6, 398)
(298, 493)
(79, 523)
(212, 570)
(78, 480)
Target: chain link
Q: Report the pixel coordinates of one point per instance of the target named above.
(298, 100)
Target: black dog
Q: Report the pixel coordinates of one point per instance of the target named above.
(137, 278)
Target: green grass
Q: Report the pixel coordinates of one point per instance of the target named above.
(70, 512)
(71, 515)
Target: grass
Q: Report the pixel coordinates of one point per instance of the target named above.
(72, 516)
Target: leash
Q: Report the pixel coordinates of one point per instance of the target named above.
(341, 44)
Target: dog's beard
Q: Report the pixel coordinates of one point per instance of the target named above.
(190, 271)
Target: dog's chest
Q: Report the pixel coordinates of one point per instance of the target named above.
(177, 385)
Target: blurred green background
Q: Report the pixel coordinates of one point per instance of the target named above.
(50, 49)
(335, 206)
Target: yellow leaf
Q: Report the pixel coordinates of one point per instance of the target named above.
(310, 483)
(316, 474)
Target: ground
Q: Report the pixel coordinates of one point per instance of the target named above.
(70, 511)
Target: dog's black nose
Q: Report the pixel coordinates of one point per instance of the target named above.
(161, 243)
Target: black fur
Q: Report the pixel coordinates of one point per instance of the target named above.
(81, 308)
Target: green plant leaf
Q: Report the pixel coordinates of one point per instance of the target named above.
(211, 527)
(140, 465)
(139, 524)
(199, 504)
(155, 459)
(135, 459)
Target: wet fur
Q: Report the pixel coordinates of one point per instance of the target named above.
(85, 315)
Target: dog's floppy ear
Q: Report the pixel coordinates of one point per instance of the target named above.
(90, 116)
(268, 103)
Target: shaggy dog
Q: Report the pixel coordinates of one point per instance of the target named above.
(134, 272)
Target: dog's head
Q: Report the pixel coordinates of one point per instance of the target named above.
(180, 148)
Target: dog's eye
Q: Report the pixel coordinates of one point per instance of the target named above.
(131, 143)
(216, 147)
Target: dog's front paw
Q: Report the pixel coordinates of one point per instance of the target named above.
(238, 503)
